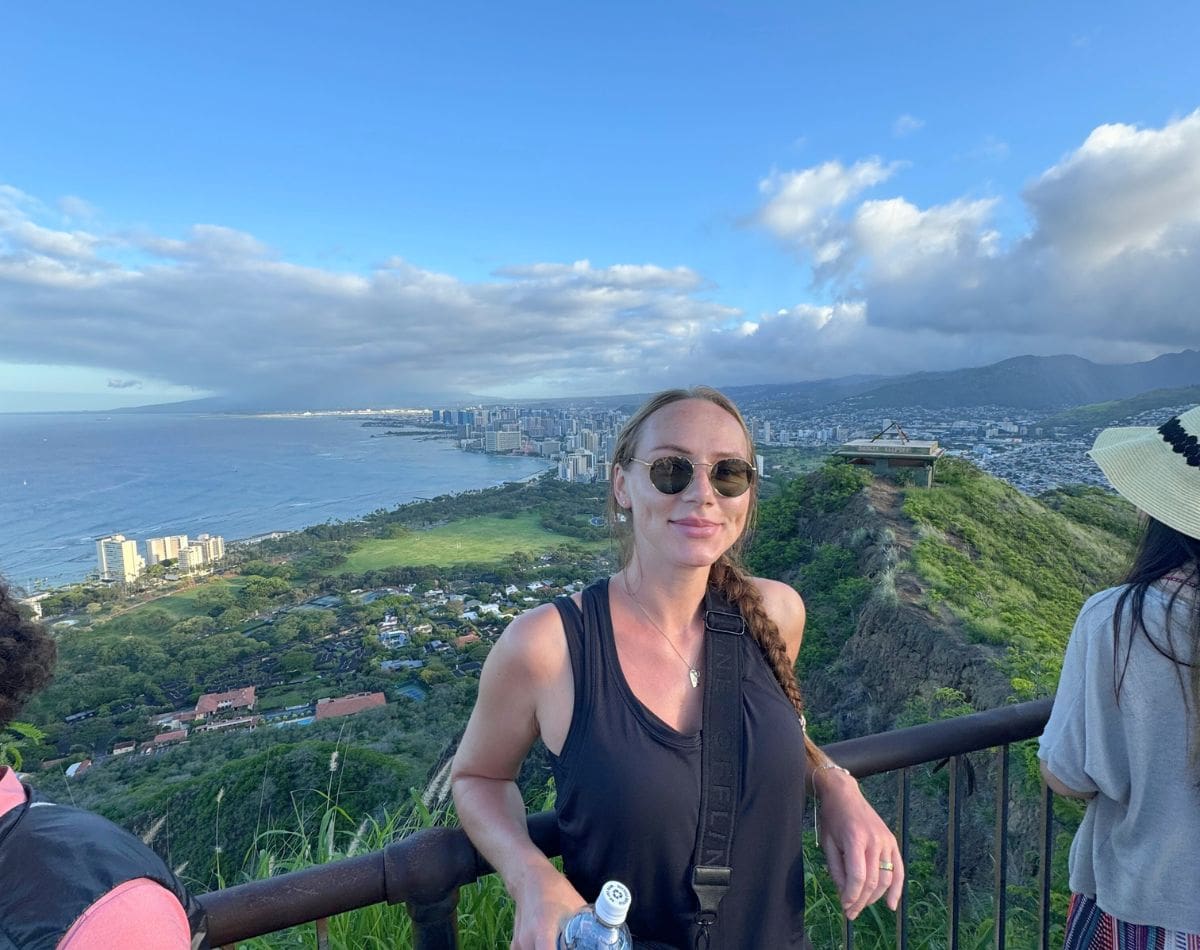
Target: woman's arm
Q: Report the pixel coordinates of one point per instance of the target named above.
(857, 842)
(1057, 785)
(522, 683)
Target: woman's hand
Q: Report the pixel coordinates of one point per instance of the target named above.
(858, 846)
(545, 901)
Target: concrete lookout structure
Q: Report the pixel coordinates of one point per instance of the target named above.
(895, 453)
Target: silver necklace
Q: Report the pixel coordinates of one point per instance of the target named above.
(693, 673)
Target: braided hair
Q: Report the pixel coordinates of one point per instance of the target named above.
(727, 575)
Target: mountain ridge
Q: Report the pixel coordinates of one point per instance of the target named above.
(1022, 382)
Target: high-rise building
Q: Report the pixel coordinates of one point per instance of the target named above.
(205, 549)
(576, 467)
(118, 559)
(502, 441)
(213, 547)
(166, 548)
(191, 558)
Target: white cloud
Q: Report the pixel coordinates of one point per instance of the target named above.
(906, 125)
(1109, 268)
(218, 310)
(800, 204)
(1124, 191)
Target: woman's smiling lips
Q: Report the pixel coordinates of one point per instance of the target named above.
(697, 527)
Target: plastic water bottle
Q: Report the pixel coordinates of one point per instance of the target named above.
(601, 924)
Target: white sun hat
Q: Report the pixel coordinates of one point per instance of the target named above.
(1157, 468)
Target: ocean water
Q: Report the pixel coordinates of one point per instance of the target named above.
(67, 479)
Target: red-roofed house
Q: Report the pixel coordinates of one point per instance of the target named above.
(466, 639)
(167, 738)
(211, 703)
(349, 705)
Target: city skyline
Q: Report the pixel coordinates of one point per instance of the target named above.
(378, 205)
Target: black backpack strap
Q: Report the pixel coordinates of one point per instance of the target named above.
(720, 759)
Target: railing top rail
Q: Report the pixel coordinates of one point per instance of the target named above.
(934, 741)
(426, 866)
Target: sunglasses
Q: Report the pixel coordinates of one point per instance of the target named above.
(671, 474)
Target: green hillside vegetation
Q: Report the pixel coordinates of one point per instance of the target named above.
(1013, 569)
(1098, 415)
(826, 574)
(1096, 507)
(217, 796)
(482, 538)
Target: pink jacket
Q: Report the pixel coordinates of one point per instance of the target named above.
(137, 915)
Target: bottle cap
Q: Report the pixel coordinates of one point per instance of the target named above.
(613, 903)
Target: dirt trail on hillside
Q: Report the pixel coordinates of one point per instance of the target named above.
(887, 499)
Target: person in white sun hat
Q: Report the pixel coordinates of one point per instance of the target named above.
(1125, 729)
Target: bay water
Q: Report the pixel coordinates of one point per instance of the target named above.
(67, 479)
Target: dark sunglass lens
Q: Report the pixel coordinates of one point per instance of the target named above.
(672, 474)
(732, 477)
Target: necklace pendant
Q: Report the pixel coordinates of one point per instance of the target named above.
(694, 676)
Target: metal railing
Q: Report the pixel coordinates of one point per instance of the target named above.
(425, 870)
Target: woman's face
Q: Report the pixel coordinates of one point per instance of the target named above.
(696, 526)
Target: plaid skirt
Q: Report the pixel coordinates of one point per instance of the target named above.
(1090, 928)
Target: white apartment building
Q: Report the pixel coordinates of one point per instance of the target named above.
(118, 559)
(501, 441)
(204, 550)
(191, 558)
(213, 546)
(166, 548)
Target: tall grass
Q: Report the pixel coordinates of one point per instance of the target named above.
(485, 912)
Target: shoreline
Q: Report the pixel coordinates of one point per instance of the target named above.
(275, 534)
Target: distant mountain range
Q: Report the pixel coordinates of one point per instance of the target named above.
(1022, 382)
(1097, 415)
(1037, 382)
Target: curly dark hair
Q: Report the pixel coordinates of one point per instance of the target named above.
(27, 655)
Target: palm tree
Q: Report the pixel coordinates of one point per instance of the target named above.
(13, 738)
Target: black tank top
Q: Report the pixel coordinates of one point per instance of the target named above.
(628, 798)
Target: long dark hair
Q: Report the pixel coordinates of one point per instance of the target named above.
(1171, 559)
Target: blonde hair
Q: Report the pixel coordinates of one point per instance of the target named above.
(727, 575)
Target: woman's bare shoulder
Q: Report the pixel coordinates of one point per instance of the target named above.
(534, 643)
(777, 595)
(785, 606)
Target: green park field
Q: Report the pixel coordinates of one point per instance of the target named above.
(183, 605)
(481, 539)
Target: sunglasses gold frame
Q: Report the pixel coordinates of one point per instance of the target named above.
(674, 461)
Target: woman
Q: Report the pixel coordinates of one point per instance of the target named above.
(1125, 729)
(71, 880)
(611, 682)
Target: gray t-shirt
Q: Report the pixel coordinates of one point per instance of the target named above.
(1136, 850)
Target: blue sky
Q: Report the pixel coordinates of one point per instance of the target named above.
(377, 203)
